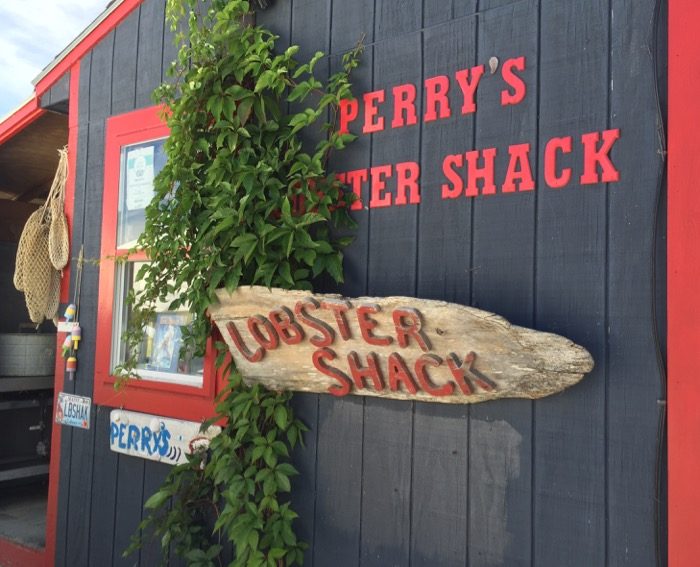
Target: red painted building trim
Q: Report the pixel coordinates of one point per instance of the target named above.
(15, 555)
(20, 119)
(86, 44)
(11, 553)
(170, 400)
(683, 280)
(55, 463)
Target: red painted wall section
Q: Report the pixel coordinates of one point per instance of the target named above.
(55, 464)
(683, 283)
(14, 555)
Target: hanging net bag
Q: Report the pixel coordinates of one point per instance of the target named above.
(54, 297)
(43, 250)
(58, 231)
(29, 233)
(38, 273)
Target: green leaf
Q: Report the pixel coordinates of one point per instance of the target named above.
(283, 482)
(300, 71)
(237, 92)
(292, 435)
(244, 239)
(334, 266)
(287, 469)
(286, 210)
(253, 540)
(157, 500)
(225, 224)
(244, 109)
(228, 106)
(269, 457)
(315, 60)
(280, 448)
(264, 81)
(286, 273)
(214, 551)
(299, 92)
(291, 51)
(196, 555)
(281, 416)
(257, 453)
(276, 553)
(323, 247)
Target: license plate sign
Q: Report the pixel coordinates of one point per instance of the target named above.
(73, 410)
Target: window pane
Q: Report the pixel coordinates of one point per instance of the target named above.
(159, 355)
(140, 163)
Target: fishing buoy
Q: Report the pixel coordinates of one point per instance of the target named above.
(71, 367)
(70, 312)
(67, 344)
(76, 336)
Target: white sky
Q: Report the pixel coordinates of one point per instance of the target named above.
(32, 33)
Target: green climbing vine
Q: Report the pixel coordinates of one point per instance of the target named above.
(241, 201)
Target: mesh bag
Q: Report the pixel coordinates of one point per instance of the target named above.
(43, 250)
(58, 233)
(36, 273)
(58, 236)
(29, 232)
(54, 296)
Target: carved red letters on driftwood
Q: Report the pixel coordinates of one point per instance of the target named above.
(396, 347)
(281, 327)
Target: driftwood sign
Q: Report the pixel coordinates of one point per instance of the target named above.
(157, 438)
(394, 347)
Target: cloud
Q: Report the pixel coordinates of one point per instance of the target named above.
(32, 33)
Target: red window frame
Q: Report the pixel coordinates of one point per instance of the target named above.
(161, 398)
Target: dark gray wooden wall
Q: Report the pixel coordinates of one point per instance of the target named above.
(101, 494)
(56, 98)
(568, 480)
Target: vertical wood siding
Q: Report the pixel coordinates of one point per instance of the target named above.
(56, 98)
(567, 480)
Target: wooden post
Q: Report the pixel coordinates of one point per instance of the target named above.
(683, 280)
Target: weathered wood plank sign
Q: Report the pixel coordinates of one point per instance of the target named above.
(156, 438)
(394, 347)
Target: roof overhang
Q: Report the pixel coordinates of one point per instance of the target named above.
(19, 118)
(28, 160)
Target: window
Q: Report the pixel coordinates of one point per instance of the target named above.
(172, 383)
(138, 165)
(158, 356)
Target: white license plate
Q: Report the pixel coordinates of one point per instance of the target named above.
(73, 410)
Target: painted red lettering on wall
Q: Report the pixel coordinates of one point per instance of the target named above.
(468, 172)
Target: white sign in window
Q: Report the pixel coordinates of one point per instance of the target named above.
(140, 163)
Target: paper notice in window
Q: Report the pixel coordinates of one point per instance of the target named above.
(139, 178)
